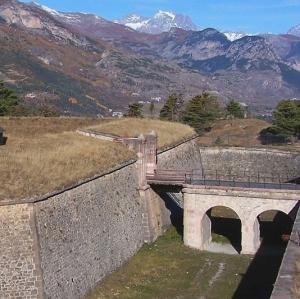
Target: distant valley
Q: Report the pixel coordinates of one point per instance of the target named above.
(84, 64)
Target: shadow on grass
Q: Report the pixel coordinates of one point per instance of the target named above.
(261, 275)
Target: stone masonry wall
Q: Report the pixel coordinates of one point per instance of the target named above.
(284, 287)
(240, 161)
(89, 231)
(185, 156)
(20, 275)
(74, 239)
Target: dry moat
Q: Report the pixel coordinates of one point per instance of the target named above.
(167, 270)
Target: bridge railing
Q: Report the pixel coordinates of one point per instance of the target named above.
(246, 179)
(219, 178)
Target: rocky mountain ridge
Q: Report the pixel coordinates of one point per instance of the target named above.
(295, 30)
(162, 21)
(84, 64)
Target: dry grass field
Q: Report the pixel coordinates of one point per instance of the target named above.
(45, 154)
(240, 132)
(168, 132)
(236, 132)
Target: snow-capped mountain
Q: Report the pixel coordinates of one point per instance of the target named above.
(66, 17)
(162, 21)
(232, 36)
(295, 30)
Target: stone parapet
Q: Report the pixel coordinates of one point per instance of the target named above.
(284, 287)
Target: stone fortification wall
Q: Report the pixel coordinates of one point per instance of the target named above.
(75, 238)
(185, 156)
(20, 271)
(87, 232)
(250, 162)
(287, 275)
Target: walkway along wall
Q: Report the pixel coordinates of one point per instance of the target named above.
(60, 245)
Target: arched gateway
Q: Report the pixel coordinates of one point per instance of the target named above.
(248, 204)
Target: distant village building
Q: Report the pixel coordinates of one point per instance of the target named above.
(30, 95)
(135, 94)
(245, 108)
(156, 99)
(117, 114)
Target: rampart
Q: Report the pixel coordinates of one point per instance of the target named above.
(60, 245)
(276, 164)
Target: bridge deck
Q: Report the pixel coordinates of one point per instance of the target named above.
(181, 177)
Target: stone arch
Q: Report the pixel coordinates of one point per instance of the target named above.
(222, 220)
(273, 225)
(251, 228)
(286, 209)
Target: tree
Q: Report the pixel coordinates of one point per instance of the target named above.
(201, 111)
(286, 124)
(172, 108)
(235, 110)
(287, 116)
(151, 109)
(8, 99)
(135, 110)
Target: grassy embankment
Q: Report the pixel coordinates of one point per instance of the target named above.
(240, 132)
(44, 154)
(168, 132)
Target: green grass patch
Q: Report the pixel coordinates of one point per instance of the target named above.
(167, 269)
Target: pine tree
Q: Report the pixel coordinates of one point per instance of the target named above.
(286, 124)
(135, 110)
(287, 116)
(172, 109)
(8, 99)
(201, 111)
(151, 109)
(234, 110)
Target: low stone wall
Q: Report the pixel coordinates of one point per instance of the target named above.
(249, 162)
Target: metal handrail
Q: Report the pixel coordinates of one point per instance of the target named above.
(207, 177)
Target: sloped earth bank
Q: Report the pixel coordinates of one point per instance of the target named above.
(169, 270)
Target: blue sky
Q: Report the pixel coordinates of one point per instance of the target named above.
(252, 16)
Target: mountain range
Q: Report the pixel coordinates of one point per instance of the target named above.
(162, 21)
(84, 64)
